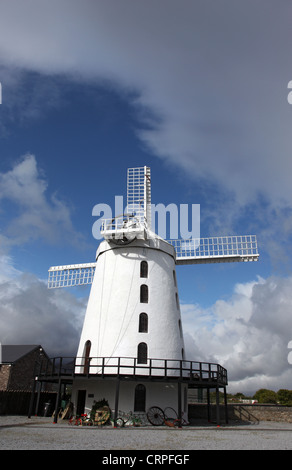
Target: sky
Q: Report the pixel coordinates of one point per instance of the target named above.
(198, 90)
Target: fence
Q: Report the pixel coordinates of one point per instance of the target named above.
(16, 402)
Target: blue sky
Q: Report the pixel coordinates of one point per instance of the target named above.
(197, 93)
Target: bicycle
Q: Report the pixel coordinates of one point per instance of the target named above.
(127, 419)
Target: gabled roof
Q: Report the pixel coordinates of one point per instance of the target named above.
(12, 353)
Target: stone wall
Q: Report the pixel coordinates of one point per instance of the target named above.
(241, 413)
(4, 376)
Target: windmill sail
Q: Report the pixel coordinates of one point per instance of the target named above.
(136, 224)
(216, 249)
(71, 275)
(137, 218)
(139, 194)
(192, 251)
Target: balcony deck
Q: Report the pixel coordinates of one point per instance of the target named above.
(200, 374)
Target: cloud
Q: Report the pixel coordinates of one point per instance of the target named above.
(248, 334)
(29, 213)
(217, 95)
(30, 313)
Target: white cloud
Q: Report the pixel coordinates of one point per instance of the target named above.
(32, 214)
(30, 313)
(248, 334)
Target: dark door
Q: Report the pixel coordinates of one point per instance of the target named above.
(81, 396)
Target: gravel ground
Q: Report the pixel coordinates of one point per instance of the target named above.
(38, 433)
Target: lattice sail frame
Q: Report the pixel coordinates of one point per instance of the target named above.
(137, 218)
(139, 194)
(216, 249)
(71, 275)
(192, 251)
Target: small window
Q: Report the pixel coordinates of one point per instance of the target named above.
(177, 301)
(143, 323)
(144, 294)
(144, 269)
(142, 353)
(174, 278)
(140, 398)
(179, 327)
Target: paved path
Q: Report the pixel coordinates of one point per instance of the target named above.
(37, 433)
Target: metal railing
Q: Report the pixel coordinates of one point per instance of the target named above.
(184, 370)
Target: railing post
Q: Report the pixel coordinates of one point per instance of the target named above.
(226, 406)
(119, 359)
(179, 404)
(217, 407)
(60, 366)
(117, 402)
(57, 402)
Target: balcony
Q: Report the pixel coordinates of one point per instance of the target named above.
(197, 374)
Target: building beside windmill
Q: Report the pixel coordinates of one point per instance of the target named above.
(131, 350)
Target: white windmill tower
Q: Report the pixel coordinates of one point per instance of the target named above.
(132, 329)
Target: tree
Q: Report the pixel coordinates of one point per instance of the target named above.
(284, 396)
(265, 396)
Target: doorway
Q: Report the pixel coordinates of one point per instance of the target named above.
(81, 397)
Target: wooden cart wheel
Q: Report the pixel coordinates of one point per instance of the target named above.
(155, 416)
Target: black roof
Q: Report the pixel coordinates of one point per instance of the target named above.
(11, 353)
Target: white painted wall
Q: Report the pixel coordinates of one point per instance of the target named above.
(111, 322)
(112, 316)
(157, 394)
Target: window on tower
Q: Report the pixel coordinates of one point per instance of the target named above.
(142, 353)
(144, 269)
(143, 323)
(144, 294)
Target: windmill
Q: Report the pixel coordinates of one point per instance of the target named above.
(132, 327)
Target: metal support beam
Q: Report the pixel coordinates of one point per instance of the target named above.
(39, 387)
(225, 405)
(217, 407)
(179, 411)
(57, 402)
(208, 405)
(117, 401)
